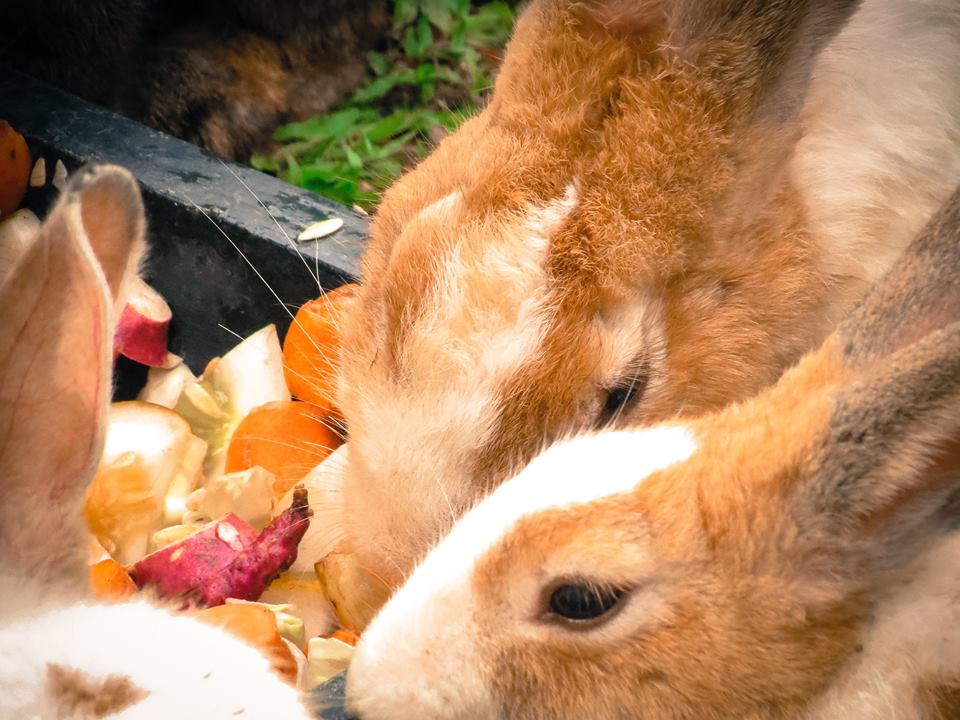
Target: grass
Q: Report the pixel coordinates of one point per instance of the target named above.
(432, 74)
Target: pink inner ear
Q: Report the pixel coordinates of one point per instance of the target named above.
(54, 388)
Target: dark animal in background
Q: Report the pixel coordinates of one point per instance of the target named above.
(223, 75)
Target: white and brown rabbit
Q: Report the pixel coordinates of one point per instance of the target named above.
(63, 655)
(792, 557)
(666, 203)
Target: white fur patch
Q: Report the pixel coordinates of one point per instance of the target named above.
(915, 634)
(881, 145)
(188, 668)
(574, 472)
(412, 445)
(435, 608)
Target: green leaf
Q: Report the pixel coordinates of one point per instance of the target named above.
(378, 62)
(264, 163)
(382, 85)
(404, 12)
(418, 38)
(439, 13)
(490, 25)
(293, 174)
(353, 159)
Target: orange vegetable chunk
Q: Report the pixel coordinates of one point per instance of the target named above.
(109, 581)
(287, 438)
(311, 349)
(257, 626)
(14, 168)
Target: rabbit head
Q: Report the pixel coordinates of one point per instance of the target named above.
(61, 654)
(615, 239)
(793, 556)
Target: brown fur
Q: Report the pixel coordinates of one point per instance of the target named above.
(675, 129)
(78, 695)
(775, 544)
(940, 698)
(223, 75)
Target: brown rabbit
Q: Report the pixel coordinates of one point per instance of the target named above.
(793, 557)
(664, 205)
(62, 654)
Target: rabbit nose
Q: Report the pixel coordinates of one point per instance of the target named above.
(327, 701)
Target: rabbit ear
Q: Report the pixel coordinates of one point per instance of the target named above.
(919, 294)
(889, 462)
(55, 357)
(749, 48)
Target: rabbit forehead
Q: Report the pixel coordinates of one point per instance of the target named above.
(570, 473)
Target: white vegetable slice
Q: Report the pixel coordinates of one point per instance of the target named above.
(304, 593)
(147, 448)
(251, 374)
(247, 494)
(187, 479)
(317, 230)
(164, 385)
(326, 657)
(38, 176)
(325, 531)
(59, 176)
(248, 376)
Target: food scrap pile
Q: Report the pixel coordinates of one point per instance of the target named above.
(199, 500)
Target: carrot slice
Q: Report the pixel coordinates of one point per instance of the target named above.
(287, 438)
(312, 346)
(109, 581)
(257, 626)
(14, 168)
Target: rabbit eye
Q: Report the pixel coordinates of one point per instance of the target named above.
(621, 396)
(583, 602)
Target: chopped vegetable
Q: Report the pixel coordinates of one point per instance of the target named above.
(109, 581)
(38, 176)
(326, 657)
(59, 176)
(341, 576)
(149, 450)
(14, 168)
(248, 376)
(170, 535)
(255, 625)
(178, 569)
(289, 626)
(317, 230)
(226, 559)
(286, 438)
(165, 385)
(324, 484)
(347, 636)
(311, 349)
(141, 332)
(247, 494)
(304, 593)
(270, 554)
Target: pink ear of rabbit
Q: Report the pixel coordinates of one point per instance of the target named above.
(55, 357)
